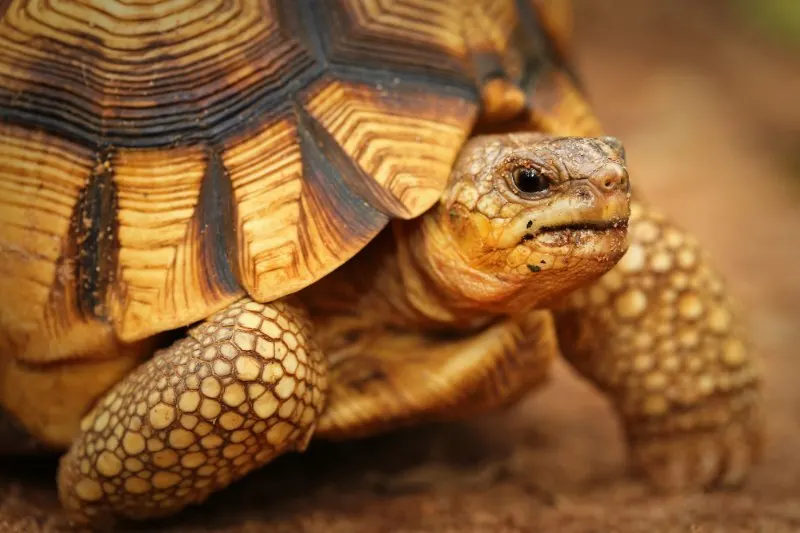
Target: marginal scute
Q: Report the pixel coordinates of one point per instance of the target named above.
(165, 263)
(41, 176)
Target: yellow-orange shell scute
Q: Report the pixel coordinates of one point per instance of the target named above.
(161, 159)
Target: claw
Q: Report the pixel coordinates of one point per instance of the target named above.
(699, 461)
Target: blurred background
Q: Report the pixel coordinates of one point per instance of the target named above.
(706, 96)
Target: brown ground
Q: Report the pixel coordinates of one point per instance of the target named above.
(709, 113)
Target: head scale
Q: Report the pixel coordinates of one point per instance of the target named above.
(541, 215)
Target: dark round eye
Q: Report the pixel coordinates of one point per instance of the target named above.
(529, 180)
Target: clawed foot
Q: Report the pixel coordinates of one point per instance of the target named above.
(701, 459)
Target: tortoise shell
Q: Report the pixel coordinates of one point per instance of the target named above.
(160, 159)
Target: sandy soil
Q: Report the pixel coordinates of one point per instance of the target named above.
(708, 113)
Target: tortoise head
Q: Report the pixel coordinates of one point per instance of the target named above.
(541, 215)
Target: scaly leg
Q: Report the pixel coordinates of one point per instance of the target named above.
(242, 388)
(659, 335)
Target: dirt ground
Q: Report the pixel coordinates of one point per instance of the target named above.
(708, 111)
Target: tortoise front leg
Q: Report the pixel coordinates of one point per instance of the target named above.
(242, 388)
(659, 335)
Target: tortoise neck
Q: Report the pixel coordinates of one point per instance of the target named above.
(432, 283)
(410, 276)
(413, 275)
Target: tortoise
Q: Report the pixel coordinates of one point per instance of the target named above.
(231, 227)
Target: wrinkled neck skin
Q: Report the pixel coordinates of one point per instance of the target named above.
(412, 277)
(489, 249)
(440, 286)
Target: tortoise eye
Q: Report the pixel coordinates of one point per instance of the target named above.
(529, 180)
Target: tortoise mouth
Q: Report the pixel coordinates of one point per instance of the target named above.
(585, 227)
(566, 217)
(591, 238)
(592, 225)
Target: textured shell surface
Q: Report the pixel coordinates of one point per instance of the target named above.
(161, 159)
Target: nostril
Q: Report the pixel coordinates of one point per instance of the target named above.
(612, 181)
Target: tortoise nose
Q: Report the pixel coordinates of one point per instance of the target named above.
(611, 179)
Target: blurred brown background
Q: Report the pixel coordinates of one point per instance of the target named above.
(706, 96)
